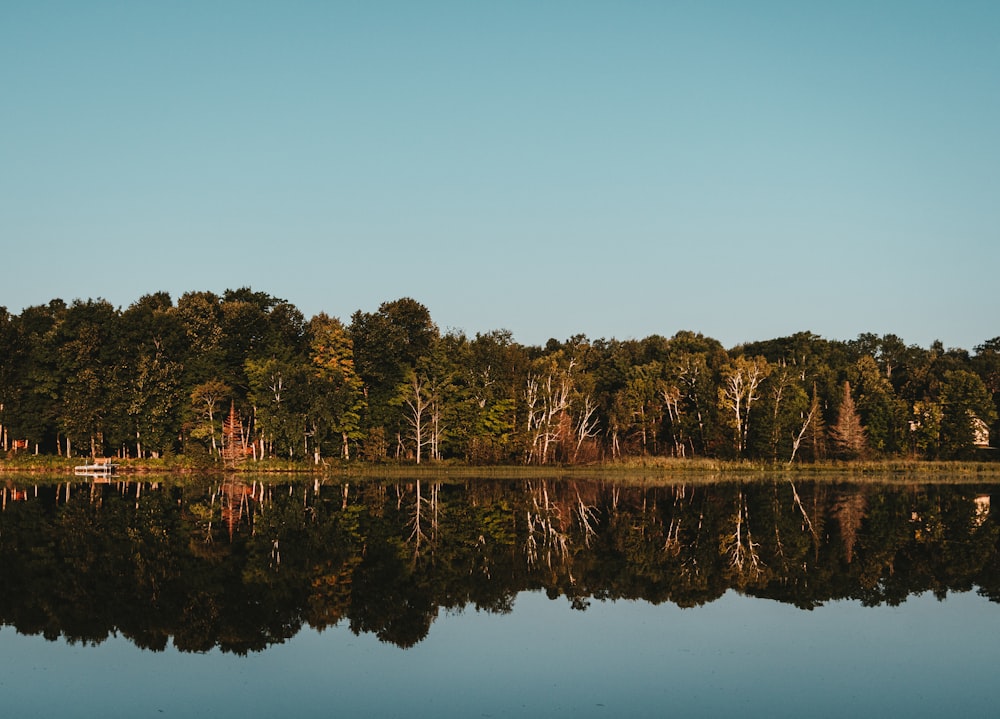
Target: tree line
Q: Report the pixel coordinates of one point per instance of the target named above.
(159, 377)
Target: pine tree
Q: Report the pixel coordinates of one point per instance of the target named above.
(848, 435)
(233, 451)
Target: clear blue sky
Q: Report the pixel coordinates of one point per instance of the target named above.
(618, 169)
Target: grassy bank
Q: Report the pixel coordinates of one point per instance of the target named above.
(649, 468)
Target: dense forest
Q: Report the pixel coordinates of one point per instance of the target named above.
(158, 379)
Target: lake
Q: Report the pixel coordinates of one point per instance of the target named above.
(564, 597)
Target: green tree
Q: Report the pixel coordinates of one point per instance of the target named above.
(881, 412)
(925, 428)
(278, 393)
(206, 399)
(89, 350)
(337, 395)
(965, 400)
(151, 373)
(387, 345)
(34, 396)
(490, 369)
(547, 400)
(695, 422)
(9, 395)
(154, 395)
(986, 363)
(200, 316)
(256, 326)
(783, 409)
(640, 406)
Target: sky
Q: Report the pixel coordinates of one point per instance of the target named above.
(746, 170)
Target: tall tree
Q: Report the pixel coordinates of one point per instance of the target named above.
(781, 419)
(9, 349)
(965, 401)
(882, 413)
(201, 318)
(152, 373)
(925, 428)
(847, 434)
(36, 393)
(278, 395)
(415, 395)
(547, 398)
(641, 405)
(387, 345)
(89, 351)
(337, 397)
(153, 397)
(694, 378)
(741, 380)
(488, 374)
(986, 363)
(206, 399)
(810, 419)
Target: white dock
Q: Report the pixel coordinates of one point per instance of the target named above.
(99, 467)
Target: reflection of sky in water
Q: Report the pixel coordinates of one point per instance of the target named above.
(755, 657)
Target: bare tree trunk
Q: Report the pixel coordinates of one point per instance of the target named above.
(586, 426)
(211, 422)
(813, 407)
(805, 515)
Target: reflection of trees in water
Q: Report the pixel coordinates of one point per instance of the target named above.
(545, 535)
(557, 522)
(235, 496)
(738, 545)
(423, 516)
(849, 511)
(82, 560)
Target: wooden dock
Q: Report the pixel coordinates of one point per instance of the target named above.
(98, 467)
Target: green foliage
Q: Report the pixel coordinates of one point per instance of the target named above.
(881, 412)
(154, 379)
(965, 401)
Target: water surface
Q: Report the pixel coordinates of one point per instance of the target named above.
(555, 598)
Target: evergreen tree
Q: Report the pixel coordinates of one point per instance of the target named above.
(847, 435)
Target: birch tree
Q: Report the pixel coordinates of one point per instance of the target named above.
(546, 398)
(741, 379)
(415, 396)
(277, 391)
(205, 398)
(810, 417)
(693, 379)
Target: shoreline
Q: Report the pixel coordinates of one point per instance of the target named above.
(650, 469)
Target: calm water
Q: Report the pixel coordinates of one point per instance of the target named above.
(498, 599)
